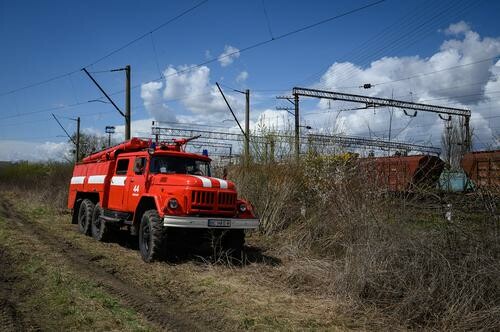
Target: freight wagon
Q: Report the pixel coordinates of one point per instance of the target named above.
(483, 168)
(403, 173)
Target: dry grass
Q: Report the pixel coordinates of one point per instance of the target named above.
(386, 260)
(393, 255)
(43, 182)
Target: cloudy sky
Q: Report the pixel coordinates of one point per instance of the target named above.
(439, 52)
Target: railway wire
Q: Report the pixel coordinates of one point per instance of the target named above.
(218, 58)
(107, 55)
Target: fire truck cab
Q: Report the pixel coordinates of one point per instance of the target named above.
(159, 191)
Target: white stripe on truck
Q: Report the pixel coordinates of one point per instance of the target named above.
(118, 180)
(96, 179)
(77, 179)
(206, 181)
(222, 183)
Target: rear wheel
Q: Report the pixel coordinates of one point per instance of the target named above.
(151, 236)
(85, 216)
(76, 209)
(101, 231)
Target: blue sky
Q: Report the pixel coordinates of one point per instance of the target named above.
(42, 39)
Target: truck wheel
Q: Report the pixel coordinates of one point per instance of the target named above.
(233, 242)
(151, 236)
(76, 209)
(85, 216)
(101, 231)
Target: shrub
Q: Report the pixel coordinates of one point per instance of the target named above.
(395, 254)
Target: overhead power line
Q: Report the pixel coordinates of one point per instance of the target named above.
(437, 71)
(253, 46)
(64, 129)
(144, 35)
(69, 106)
(376, 42)
(107, 55)
(267, 41)
(425, 25)
(267, 19)
(422, 30)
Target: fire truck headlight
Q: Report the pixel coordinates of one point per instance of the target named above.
(173, 204)
(242, 207)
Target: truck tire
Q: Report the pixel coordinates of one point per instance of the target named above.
(85, 216)
(233, 242)
(151, 236)
(101, 231)
(76, 209)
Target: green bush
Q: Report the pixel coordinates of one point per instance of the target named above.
(47, 182)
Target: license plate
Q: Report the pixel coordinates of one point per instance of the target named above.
(219, 223)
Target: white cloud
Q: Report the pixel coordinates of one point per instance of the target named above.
(152, 97)
(457, 28)
(30, 151)
(273, 120)
(228, 56)
(194, 90)
(139, 128)
(466, 86)
(242, 77)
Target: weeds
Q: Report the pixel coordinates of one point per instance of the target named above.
(41, 182)
(339, 235)
(393, 254)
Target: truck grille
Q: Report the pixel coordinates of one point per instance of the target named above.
(227, 201)
(203, 200)
(211, 200)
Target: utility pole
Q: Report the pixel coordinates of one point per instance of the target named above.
(297, 125)
(77, 157)
(468, 139)
(247, 126)
(295, 113)
(77, 141)
(127, 114)
(391, 112)
(127, 103)
(246, 132)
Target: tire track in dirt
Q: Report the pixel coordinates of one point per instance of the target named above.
(8, 320)
(11, 319)
(154, 309)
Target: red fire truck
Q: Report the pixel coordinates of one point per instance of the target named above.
(159, 192)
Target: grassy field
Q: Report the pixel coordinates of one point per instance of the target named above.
(73, 296)
(332, 254)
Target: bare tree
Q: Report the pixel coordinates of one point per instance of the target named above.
(90, 143)
(453, 142)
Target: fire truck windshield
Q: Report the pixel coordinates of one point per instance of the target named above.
(179, 165)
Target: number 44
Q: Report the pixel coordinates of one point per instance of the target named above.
(136, 188)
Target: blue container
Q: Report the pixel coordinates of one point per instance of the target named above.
(454, 181)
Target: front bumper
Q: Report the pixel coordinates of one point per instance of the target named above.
(203, 222)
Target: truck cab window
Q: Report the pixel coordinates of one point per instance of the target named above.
(122, 167)
(178, 165)
(139, 165)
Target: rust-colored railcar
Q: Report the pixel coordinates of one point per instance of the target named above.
(483, 168)
(404, 173)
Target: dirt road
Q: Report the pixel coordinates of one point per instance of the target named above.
(141, 300)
